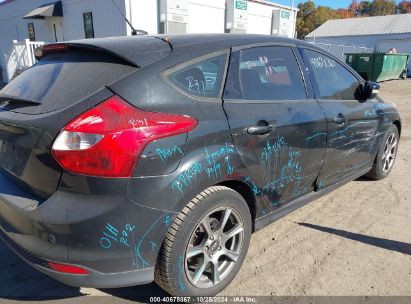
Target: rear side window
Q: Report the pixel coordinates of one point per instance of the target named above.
(265, 73)
(62, 79)
(332, 79)
(202, 79)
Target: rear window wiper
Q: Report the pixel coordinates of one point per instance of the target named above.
(17, 100)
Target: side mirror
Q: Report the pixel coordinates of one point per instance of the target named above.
(368, 90)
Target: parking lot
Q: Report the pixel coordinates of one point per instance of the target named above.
(356, 241)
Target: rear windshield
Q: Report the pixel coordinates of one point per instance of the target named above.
(62, 79)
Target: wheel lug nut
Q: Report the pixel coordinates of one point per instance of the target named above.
(211, 255)
(219, 248)
(211, 237)
(206, 249)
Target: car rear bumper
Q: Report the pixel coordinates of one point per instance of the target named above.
(116, 240)
(94, 279)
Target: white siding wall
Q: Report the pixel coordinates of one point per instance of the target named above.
(259, 18)
(107, 20)
(203, 16)
(142, 15)
(13, 27)
(206, 16)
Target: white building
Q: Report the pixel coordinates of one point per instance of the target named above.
(371, 34)
(30, 23)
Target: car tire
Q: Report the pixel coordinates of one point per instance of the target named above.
(188, 248)
(385, 158)
(404, 74)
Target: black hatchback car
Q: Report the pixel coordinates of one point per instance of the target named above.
(132, 159)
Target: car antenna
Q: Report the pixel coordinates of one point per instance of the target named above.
(134, 32)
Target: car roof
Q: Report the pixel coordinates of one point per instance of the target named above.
(226, 39)
(147, 49)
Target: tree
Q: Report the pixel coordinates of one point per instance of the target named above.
(404, 7)
(383, 8)
(352, 8)
(364, 8)
(320, 15)
(345, 13)
(305, 10)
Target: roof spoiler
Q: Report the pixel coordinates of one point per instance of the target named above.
(46, 49)
(138, 51)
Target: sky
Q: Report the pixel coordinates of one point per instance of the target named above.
(333, 3)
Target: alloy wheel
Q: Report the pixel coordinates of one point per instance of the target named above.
(214, 247)
(390, 150)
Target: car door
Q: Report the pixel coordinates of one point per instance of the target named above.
(279, 131)
(352, 123)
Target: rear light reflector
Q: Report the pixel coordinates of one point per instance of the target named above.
(49, 48)
(54, 47)
(66, 268)
(108, 139)
(67, 141)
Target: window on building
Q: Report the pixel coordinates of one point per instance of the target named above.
(203, 78)
(88, 25)
(265, 73)
(333, 81)
(32, 34)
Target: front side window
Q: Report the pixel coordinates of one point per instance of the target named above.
(202, 79)
(32, 34)
(88, 25)
(333, 80)
(265, 73)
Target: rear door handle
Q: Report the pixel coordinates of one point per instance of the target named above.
(260, 130)
(340, 119)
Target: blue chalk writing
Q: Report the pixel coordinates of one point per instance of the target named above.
(110, 236)
(167, 220)
(111, 233)
(254, 187)
(127, 239)
(185, 178)
(125, 242)
(214, 170)
(222, 152)
(315, 135)
(213, 160)
(181, 284)
(111, 229)
(153, 246)
(270, 149)
(229, 167)
(137, 248)
(105, 243)
(340, 132)
(130, 228)
(290, 172)
(167, 153)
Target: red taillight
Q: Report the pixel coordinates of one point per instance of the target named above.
(54, 47)
(65, 268)
(108, 139)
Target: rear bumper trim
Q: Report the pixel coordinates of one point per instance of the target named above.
(102, 280)
(93, 280)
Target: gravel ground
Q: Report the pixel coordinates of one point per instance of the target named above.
(356, 241)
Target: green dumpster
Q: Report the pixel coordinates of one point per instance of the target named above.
(378, 66)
